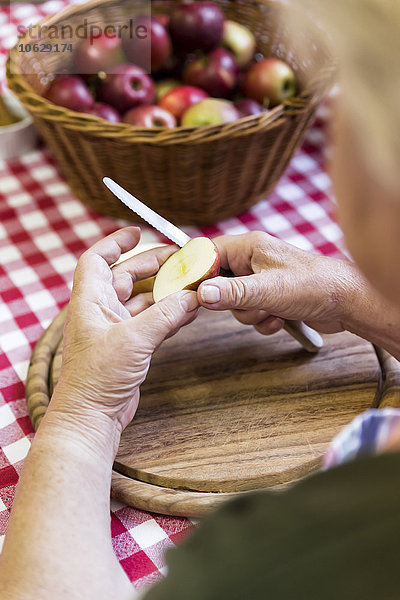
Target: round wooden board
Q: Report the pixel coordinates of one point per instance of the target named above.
(225, 410)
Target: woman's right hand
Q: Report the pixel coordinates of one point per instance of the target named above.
(275, 281)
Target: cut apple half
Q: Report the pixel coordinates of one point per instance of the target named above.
(143, 286)
(187, 268)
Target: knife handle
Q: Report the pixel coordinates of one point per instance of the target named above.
(307, 337)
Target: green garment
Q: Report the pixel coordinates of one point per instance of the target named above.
(333, 536)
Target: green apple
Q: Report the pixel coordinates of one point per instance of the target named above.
(239, 41)
(210, 111)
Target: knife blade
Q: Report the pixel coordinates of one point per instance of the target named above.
(307, 337)
(168, 229)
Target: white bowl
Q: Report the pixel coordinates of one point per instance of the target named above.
(20, 137)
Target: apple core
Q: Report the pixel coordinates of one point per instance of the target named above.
(187, 268)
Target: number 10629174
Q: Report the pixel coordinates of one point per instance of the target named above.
(43, 47)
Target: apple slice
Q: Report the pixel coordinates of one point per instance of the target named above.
(143, 286)
(187, 268)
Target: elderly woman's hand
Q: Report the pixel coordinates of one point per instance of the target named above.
(109, 337)
(276, 281)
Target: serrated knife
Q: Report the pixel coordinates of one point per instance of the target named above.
(307, 337)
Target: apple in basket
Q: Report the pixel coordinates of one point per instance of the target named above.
(178, 100)
(71, 92)
(150, 47)
(126, 86)
(96, 54)
(240, 41)
(248, 107)
(150, 116)
(270, 82)
(164, 86)
(163, 19)
(197, 261)
(211, 111)
(104, 111)
(196, 26)
(215, 73)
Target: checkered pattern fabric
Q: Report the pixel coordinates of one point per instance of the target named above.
(43, 230)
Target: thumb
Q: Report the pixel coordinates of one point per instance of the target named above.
(164, 318)
(229, 293)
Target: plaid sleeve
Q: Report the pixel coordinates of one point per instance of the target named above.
(367, 434)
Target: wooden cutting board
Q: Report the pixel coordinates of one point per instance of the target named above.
(225, 410)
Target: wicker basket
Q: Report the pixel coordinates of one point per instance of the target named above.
(189, 175)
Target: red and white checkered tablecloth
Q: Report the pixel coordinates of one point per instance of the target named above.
(43, 230)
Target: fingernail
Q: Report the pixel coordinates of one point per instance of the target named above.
(210, 294)
(189, 301)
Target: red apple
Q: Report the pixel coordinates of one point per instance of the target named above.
(164, 86)
(150, 47)
(269, 82)
(240, 41)
(210, 111)
(248, 107)
(177, 101)
(163, 19)
(104, 111)
(126, 86)
(150, 116)
(97, 54)
(215, 73)
(197, 261)
(196, 26)
(71, 92)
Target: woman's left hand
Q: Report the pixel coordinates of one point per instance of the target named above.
(110, 337)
